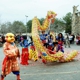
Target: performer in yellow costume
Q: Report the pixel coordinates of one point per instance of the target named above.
(10, 63)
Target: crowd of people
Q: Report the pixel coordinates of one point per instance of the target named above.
(68, 39)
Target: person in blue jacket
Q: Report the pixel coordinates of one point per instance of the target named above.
(25, 52)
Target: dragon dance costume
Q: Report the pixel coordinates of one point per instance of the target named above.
(33, 53)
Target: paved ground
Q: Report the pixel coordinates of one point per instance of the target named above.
(50, 71)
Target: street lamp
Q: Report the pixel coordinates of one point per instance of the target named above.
(26, 22)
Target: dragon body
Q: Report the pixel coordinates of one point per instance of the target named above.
(45, 54)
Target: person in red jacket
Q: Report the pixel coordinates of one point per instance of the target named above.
(10, 63)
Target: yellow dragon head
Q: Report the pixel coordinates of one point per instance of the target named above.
(51, 14)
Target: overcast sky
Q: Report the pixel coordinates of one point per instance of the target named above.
(11, 10)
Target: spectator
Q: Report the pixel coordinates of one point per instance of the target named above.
(70, 38)
(67, 42)
(60, 39)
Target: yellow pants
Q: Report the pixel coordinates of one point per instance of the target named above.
(33, 54)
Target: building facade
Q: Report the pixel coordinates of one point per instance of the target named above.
(75, 21)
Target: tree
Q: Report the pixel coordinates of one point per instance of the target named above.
(3, 28)
(41, 20)
(29, 26)
(8, 26)
(18, 27)
(58, 25)
(67, 20)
